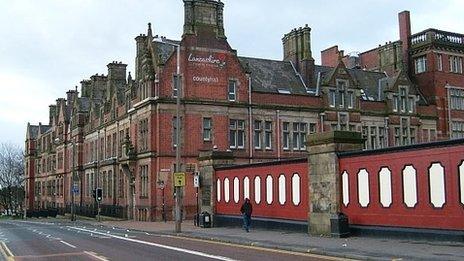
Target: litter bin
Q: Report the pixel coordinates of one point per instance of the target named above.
(339, 226)
(205, 219)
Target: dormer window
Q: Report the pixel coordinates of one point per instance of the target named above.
(350, 100)
(403, 99)
(403, 102)
(341, 88)
(341, 96)
(332, 98)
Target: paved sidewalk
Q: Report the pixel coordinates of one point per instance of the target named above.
(352, 247)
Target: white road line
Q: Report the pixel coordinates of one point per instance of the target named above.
(94, 255)
(192, 252)
(66, 243)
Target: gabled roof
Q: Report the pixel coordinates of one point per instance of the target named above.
(368, 81)
(273, 76)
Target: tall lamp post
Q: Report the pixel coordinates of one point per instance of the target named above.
(162, 186)
(73, 180)
(178, 190)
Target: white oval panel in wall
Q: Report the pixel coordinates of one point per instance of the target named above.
(409, 186)
(363, 188)
(226, 190)
(246, 188)
(269, 188)
(218, 190)
(385, 187)
(257, 189)
(437, 185)
(461, 181)
(236, 190)
(345, 188)
(282, 189)
(296, 189)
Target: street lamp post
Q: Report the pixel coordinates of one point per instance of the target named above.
(73, 179)
(161, 186)
(178, 190)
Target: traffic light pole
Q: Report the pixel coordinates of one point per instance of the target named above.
(98, 211)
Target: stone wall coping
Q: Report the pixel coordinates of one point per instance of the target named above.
(212, 155)
(428, 145)
(334, 137)
(257, 164)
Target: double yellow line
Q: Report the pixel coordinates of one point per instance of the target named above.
(5, 251)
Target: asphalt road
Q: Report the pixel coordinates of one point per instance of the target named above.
(63, 240)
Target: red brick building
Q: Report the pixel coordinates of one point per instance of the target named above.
(118, 133)
(432, 59)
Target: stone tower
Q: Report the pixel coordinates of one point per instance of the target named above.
(204, 17)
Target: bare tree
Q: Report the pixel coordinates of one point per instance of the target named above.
(11, 176)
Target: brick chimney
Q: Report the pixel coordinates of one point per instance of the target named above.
(405, 32)
(330, 56)
(297, 49)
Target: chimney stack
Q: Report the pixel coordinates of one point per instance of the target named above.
(297, 49)
(204, 17)
(405, 32)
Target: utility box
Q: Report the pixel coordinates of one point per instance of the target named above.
(339, 226)
(205, 219)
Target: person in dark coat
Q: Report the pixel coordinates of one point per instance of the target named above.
(246, 211)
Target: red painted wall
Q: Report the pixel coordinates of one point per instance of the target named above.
(424, 214)
(288, 210)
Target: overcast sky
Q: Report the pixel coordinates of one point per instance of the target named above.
(47, 47)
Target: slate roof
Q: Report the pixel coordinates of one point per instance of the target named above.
(165, 50)
(280, 77)
(83, 104)
(273, 76)
(45, 128)
(33, 131)
(368, 81)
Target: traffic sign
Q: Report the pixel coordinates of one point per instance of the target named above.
(179, 179)
(75, 189)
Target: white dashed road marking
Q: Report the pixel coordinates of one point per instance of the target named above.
(192, 252)
(69, 245)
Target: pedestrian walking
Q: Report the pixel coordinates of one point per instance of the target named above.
(246, 211)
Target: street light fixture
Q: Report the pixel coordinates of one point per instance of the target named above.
(178, 190)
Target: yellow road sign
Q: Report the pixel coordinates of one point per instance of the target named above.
(179, 179)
